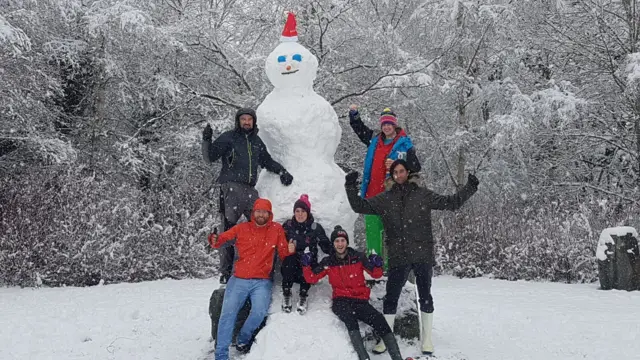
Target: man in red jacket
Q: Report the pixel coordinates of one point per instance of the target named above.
(350, 293)
(256, 243)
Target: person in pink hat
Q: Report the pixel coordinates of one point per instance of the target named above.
(304, 232)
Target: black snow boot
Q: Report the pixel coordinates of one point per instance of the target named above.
(243, 348)
(286, 300)
(302, 304)
(392, 346)
(358, 345)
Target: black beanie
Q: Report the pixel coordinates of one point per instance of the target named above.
(396, 163)
(338, 231)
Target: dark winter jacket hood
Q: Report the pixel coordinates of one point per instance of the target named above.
(246, 111)
(412, 179)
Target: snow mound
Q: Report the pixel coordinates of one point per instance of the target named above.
(318, 334)
(605, 238)
(475, 319)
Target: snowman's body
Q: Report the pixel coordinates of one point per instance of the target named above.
(301, 131)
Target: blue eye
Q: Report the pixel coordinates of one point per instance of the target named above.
(297, 57)
(282, 58)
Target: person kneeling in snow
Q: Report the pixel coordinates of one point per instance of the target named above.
(303, 232)
(405, 210)
(350, 293)
(256, 241)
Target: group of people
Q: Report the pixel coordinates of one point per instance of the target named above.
(398, 215)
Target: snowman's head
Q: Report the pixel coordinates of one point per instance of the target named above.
(291, 65)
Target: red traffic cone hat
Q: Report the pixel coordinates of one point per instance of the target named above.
(289, 33)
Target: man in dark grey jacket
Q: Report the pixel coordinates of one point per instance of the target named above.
(242, 152)
(405, 210)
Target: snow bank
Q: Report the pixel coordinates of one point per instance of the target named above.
(605, 238)
(475, 319)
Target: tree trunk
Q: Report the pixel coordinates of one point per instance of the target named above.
(462, 116)
(462, 151)
(99, 108)
(637, 133)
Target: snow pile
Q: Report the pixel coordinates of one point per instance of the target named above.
(319, 331)
(475, 319)
(301, 131)
(153, 320)
(292, 336)
(605, 238)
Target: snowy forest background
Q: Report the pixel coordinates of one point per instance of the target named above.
(103, 103)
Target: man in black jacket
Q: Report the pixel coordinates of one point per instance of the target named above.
(405, 210)
(242, 152)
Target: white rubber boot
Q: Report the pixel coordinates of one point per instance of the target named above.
(380, 347)
(425, 333)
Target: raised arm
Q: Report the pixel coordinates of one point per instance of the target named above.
(413, 163)
(362, 131)
(358, 204)
(455, 201)
(213, 151)
(372, 265)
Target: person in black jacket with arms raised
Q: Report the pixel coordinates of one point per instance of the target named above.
(242, 152)
(405, 210)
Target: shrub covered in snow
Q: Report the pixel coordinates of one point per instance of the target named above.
(61, 228)
(516, 243)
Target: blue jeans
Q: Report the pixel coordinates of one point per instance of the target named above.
(235, 295)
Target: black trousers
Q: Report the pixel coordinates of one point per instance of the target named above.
(292, 273)
(236, 200)
(351, 310)
(397, 277)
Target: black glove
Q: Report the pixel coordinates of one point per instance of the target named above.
(207, 133)
(306, 259)
(285, 178)
(473, 180)
(351, 178)
(353, 114)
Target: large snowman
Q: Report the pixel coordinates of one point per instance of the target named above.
(301, 131)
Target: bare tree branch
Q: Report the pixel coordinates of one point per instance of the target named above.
(148, 122)
(212, 97)
(598, 189)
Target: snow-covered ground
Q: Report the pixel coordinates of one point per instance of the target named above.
(474, 319)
